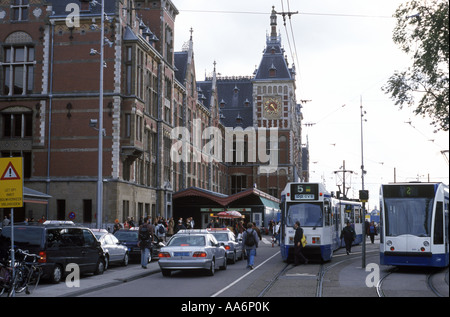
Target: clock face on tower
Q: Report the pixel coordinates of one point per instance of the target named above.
(272, 107)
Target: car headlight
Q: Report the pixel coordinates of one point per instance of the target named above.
(426, 243)
(389, 243)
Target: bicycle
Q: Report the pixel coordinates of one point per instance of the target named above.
(25, 274)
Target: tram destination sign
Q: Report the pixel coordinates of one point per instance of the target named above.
(304, 191)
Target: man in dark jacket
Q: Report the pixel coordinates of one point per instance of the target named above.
(250, 244)
(349, 235)
(298, 254)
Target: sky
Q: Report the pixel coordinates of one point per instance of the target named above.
(343, 53)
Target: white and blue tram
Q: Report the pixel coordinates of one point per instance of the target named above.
(414, 224)
(321, 216)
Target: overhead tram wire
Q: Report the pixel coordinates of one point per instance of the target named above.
(301, 13)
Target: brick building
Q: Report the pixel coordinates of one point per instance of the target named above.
(49, 77)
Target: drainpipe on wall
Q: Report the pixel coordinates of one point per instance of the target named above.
(50, 100)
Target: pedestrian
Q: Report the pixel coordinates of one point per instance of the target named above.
(250, 243)
(145, 235)
(298, 246)
(349, 235)
(179, 226)
(372, 231)
(170, 227)
(160, 231)
(117, 226)
(277, 233)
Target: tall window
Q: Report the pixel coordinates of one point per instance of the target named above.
(18, 70)
(17, 125)
(19, 10)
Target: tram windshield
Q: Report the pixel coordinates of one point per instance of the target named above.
(408, 216)
(309, 214)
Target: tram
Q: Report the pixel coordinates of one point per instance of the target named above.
(414, 224)
(321, 216)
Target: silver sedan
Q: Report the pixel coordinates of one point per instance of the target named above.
(192, 249)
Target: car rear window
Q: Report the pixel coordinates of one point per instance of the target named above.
(126, 235)
(221, 236)
(187, 241)
(23, 236)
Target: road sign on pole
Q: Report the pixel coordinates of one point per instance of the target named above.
(11, 182)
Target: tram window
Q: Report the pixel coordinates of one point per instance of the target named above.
(439, 224)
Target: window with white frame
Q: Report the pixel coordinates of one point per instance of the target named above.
(19, 10)
(18, 70)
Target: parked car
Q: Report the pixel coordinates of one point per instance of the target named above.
(233, 246)
(129, 238)
(58, 243)
(192, 249)
(115, 252)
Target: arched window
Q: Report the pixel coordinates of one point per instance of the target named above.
(18, 64)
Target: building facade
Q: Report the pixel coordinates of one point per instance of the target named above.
(49, 101)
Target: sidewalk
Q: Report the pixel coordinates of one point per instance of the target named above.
(115, 275)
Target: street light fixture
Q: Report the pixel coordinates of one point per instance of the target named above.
(363, 172)
(100, 115)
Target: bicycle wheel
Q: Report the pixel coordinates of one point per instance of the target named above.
(35, 277)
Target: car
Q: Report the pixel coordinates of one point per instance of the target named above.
(58, 243)
(115, 252)
(130, 239)
(233, 246)
(192, 249)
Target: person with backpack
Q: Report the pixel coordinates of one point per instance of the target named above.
(145, 237)
(250, 243)
(372, 231)
(161, 231)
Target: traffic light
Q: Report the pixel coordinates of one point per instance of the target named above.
(364, 196)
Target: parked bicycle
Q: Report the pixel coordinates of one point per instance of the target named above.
(26, 273)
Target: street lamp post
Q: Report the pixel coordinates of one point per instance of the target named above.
(362, 181)
(100, 125)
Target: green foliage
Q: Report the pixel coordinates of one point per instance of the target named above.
(422, 31)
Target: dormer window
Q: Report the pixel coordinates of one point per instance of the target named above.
(272, 71)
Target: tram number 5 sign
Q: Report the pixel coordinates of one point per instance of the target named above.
(11, 182)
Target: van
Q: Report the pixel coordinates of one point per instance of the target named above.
(58, 244)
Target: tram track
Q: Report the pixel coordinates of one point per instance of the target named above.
(320, 274)
(428, 283)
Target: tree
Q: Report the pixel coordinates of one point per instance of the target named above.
(422, 31)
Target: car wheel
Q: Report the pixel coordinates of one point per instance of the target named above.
(100, 267)
(125, 259)
(106, 262)
(165, 272)
(57, 274)
(212, 269)
(224, 266)
(234, 259)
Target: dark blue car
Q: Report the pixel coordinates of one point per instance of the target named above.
(129, 238)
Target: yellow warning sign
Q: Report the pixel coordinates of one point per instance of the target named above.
(11, 182)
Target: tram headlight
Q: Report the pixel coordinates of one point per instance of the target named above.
(388, 243)
(426, 243)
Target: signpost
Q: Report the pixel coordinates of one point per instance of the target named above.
(11, 192)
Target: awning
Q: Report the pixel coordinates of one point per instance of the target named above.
(270, 203)
(34, 197)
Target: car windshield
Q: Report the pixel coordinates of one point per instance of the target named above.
(187, 241)
(126, 235)
(221, 236)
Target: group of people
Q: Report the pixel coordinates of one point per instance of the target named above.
(158, 230)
